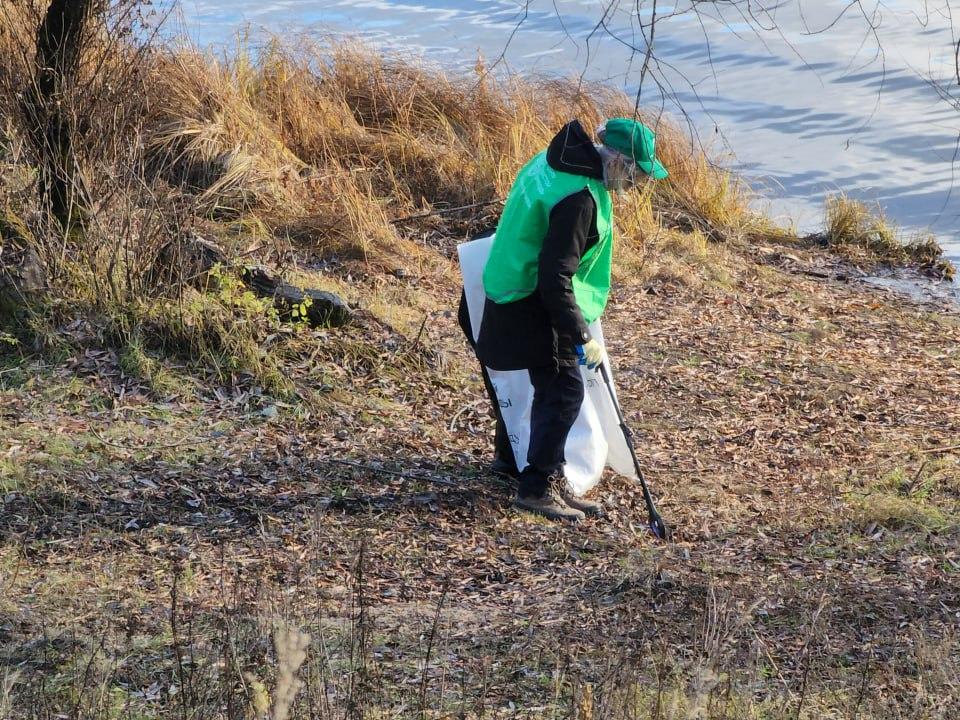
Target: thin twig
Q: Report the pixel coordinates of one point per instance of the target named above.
(861, 693)
(461, 411)
(949, 448)
(175, 634)
(447, 211)
(424, 678)
(168, 446)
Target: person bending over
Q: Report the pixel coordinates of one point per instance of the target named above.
(548, 277)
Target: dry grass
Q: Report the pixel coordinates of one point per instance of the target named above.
(158, 518)
(925, 500)
(307, 153)
(350, 140)
(864, 235)
(777, 416)
(315, 154)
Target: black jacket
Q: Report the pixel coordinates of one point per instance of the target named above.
(542, 329)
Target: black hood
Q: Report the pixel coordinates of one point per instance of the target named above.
(572, 151)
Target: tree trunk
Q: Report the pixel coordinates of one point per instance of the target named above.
(59, 44)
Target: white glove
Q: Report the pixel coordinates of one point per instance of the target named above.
(590, 354)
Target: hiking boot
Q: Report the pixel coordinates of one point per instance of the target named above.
(558, 482)
(550, 505)
(587, 507)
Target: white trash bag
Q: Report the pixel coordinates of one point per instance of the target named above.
(595, 441)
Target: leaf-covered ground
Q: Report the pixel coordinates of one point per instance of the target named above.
(802, 435)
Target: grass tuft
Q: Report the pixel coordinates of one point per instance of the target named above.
(859, 233)
(137, 362)
(925, 500)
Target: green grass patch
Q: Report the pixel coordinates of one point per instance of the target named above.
(136, 362)
(899, 500)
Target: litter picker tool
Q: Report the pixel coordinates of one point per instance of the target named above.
(657, 525)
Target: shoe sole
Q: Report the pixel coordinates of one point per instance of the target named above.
(549, 515)
(594, 512)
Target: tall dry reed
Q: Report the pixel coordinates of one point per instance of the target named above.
(300, 150)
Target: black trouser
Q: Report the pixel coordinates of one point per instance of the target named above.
(557, 397)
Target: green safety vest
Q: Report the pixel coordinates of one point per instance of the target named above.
(511, 270)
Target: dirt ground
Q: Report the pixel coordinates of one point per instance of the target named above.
(801, 433)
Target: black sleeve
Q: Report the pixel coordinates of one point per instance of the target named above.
(572, 222)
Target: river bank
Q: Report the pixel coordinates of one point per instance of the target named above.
(861, 106)
(211, 511)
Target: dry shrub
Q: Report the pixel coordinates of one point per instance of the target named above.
(119, 219)
(699, 195)
(861, 234)
(106, 263)
(328, 145)
(351, 139)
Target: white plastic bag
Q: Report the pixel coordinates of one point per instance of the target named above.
(595, 441)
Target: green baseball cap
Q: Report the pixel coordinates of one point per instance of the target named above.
(636, 140)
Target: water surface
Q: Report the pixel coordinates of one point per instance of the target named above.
(804, 99)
